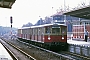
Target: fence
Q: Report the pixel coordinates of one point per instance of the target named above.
(81, 50)
(71, 35)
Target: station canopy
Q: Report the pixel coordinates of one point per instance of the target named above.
(6, 3)
(81, 13)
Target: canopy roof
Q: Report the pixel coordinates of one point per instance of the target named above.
(81, 13)
(7, 3)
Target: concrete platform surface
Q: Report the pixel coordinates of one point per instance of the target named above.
(4, 55)
(83, 43)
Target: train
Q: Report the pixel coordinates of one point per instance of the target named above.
(48, 36)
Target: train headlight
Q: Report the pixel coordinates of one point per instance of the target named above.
(49, 38)
(62, 37)
(43, 38)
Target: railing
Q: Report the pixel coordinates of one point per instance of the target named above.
(78, 36)
(81, 50)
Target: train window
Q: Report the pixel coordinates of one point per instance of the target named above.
(55, 30)
(21, 31)
(48, 30)
(64, 30)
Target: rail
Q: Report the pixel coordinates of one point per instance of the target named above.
(10, 52)
(61, 56)
(32, 58)
(66, 56)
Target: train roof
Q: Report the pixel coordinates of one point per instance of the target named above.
(41, 26)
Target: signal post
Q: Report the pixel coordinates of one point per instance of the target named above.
(11, 21)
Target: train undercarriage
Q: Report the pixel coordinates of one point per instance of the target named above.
(54, 46)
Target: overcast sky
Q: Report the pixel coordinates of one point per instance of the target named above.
(24, 11)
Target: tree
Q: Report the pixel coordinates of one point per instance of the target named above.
(27, 25)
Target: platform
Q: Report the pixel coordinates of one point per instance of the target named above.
(4, 55)
(78, 42)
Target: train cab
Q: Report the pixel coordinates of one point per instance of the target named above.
(55, 33)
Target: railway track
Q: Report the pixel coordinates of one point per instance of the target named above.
(60, 55)
(65, 55)
(10, 52)
(16, 54)
(40, 55)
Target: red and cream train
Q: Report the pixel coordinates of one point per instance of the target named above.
(49, 36)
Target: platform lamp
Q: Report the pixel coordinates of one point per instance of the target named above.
(11, 21)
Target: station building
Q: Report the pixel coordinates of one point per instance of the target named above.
(79, 29)
(66, 19)
(75, 26)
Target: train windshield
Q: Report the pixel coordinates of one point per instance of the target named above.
(55, 29)
(64, 31)
(48, 30)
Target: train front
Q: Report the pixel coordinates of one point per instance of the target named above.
(56, 37)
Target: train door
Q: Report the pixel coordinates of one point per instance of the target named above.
(37, 33)
(33, 34)
(39, 38)
(56, 37)
(42, 34)
(47, 34)
(63, 33)
(30, 35)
